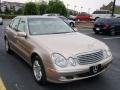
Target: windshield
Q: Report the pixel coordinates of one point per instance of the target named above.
(39, 26)
(103, 21)
(63, 18)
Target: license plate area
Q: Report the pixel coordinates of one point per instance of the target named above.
(98, 29)
(95, 69)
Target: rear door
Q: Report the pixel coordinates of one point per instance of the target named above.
(11, 33)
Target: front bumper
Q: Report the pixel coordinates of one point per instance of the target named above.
(101, 30)
(77, 73)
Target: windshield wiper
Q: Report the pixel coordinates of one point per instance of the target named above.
(61, 33)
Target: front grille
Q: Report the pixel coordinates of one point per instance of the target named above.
(99, 25)
(91, 57)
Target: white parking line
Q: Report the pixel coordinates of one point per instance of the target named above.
(2, 86)
(112, 38)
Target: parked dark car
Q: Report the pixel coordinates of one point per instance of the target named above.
(109, 26)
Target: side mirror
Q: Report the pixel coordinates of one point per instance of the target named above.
(21, 34)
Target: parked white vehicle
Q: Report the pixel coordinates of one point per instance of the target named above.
(102, 14)
(1, 21)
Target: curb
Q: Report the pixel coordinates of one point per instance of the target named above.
(2, 86)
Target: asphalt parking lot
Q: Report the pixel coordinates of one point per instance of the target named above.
(17, 75)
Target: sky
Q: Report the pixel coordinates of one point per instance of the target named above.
(79, 5)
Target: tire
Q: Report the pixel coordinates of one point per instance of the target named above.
(38, 70)
(112, 32)
(96, 32)
(1, 23)
(7, 47)
(72, 24)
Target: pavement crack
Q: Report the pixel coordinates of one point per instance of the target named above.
(18, 87)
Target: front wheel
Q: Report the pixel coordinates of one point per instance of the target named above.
(72, 24)
(38, 71)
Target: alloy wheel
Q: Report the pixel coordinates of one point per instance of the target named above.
(37, 70)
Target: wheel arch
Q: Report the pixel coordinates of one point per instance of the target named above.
(96, 18)
(33, 55)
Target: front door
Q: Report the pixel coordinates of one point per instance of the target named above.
(23, 45)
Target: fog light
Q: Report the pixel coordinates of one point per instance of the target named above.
(62, 78)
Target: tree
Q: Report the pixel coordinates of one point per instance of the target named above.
(42, 9)
(56, 6)
(7, 11)
(30, 9)
(19, 11)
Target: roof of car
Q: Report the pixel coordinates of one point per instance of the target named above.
(35, 16)
(102, 10)
(109, 18)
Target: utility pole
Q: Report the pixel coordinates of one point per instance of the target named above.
(68, 10)
(81, 8)
(113, 9)
(0, 5)
(74, 9)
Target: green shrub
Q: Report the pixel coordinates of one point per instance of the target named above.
(4, 16)
(30, 9)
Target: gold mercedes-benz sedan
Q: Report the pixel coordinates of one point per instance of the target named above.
(55, 51)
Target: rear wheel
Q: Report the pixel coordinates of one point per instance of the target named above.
(7, 46)
(38, 70)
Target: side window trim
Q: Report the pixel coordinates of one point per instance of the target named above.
(21, 21)
(15, 28)
(11, 23)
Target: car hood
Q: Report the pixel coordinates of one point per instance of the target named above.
(68, 44)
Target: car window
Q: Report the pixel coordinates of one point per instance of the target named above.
(63, 18)
(38, 26)
(119, 21)
(101, 12)
(15, 23)
(22, 26)
(104, 21)
(10, 25)
(116, 21)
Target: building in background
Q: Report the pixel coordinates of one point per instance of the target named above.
(110, 7)
(11, 6)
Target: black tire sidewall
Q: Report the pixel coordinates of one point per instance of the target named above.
(72, 24)
(9, 50)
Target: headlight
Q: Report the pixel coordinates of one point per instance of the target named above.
(106, 53)
(72, 61)
(59, 60)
